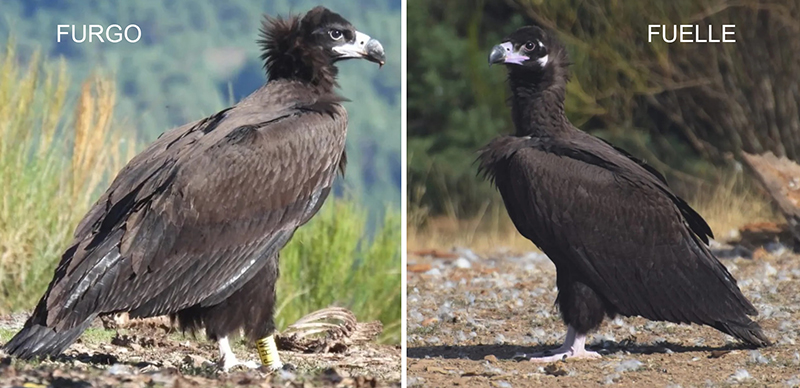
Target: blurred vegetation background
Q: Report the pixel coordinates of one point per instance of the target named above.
(72, 115)
(196, 58)
(689, 109)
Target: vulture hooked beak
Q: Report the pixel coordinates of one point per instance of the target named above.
(362, 47)
(504, 53)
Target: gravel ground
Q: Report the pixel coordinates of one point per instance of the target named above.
(149, 354)
(469, 316)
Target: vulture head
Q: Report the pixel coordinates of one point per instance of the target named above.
(307, 48)
(531, 49)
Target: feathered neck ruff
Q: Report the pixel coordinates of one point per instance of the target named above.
(537, 101)
(288, 54)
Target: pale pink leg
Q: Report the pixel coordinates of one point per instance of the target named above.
(573, 347)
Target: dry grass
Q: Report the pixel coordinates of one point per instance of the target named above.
(734, 203)
(727, 206)
(489, 232)
(52, 164)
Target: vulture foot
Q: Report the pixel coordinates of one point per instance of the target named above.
(573, 348)
(228, 360)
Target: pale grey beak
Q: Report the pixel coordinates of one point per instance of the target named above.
(504, 53)
(362, 47)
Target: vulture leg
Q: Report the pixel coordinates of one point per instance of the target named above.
(228, 360)
(573, 347)
(268, 352)
(249, 309)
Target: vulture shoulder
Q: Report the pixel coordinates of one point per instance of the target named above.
(189, 219)
(604, 218)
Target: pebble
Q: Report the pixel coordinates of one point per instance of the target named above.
(462, 263)
(793, 382)
(434, 272)
(741, 375)
(612, 378)
(467, 254)
(757, 358)
(119, 369)
(628, 366)
(490, 358)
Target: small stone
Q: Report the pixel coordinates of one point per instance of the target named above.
(556, 369)
(119, 369)
(196, 361)
(628, 366)
(757, 358)
(741, 375)
(434, 272)
(612, 378)
(436, 369)
(490, 358)
(430, 321)
(462, 263)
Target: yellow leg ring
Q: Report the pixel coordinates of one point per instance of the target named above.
(268, 352)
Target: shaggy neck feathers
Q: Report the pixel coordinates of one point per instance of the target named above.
(537, 106)
(288, 55)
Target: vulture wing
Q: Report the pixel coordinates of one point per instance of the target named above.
(608, 220)
(196, 215)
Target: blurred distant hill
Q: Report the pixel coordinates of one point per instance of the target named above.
(196, 58)
(689, 109)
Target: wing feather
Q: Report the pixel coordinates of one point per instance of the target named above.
(604, 217)
(194, 215)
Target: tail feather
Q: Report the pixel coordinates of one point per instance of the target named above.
(749, 332)
(35, 340)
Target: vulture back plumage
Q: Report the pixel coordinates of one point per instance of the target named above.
(192, 225)
(621, 240)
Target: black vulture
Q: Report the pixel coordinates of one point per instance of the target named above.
(622, 242)
(193, 225)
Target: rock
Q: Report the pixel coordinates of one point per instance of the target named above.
(196, 361)
(757, 358)
(556, 369)
(628, 366)
(119, 369)
(612, 378)
(490, 358)
(462, 263)
(430, 321)
(740, 375)
(434, 272)
(419, 268)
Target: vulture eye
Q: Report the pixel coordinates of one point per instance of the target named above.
(335, 34)
(530, 46)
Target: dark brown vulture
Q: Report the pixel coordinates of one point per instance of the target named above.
(621, 240)
(192, 226)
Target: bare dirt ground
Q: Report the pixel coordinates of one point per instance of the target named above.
(469, 316)
(151, 354)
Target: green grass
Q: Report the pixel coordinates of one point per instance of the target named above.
(52, 162)
(55, 159)
(329, 262)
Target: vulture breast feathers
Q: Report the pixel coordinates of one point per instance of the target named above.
(605, 218)
(614, 229)
(195, 215)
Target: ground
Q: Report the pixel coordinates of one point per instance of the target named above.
(150, 354)
(470, 315)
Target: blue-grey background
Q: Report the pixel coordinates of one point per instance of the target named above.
(197, 57)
